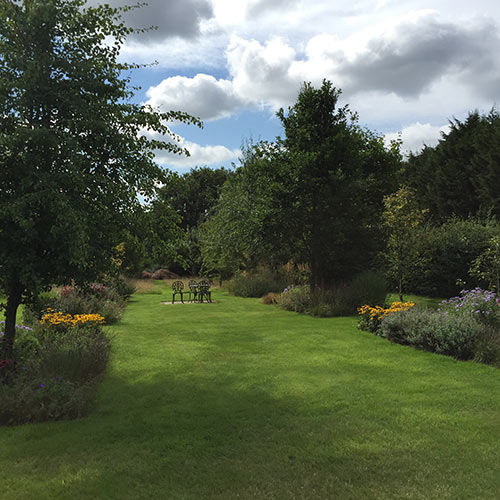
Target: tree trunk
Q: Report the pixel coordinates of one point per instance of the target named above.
(401, 289)
(13, 302)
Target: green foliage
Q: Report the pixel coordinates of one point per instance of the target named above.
(169, 230)
(480, 304)
(465, 327)
(55, 374)
(400, 218)
(122, 286)
(108, 303)
(368, 287)
(486, 266)
(459, 176)
(193, 194)
(340, 300)
(296, 298)
(232, 236)
(446, 253)
(451, 334)
(78, 354)
(338, 175)
(313, 197)
(26, 347)
(256, 283)
(26, 401)
(487, 348)
(33, 311)
(73, 153)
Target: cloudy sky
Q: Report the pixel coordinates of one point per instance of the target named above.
(406, 66)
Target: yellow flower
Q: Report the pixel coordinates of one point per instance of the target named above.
(58, 318)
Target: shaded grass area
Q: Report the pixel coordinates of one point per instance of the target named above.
(238, 400)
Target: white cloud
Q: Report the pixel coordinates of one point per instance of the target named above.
(207, 155)
(417, 135)
(261, 73)
(202, 96)
(408, 59)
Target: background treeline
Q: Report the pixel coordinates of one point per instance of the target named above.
(317, 201)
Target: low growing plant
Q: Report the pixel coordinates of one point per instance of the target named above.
(481, 304)
(54, 369)
(450, 334)
(295, 298)
(370, 317)
(256, 283)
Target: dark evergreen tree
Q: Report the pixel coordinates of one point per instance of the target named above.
(460, 176)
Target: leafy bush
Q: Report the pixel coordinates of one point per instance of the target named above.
(53, 378)
(295, 298)
(79, 353)
(368, 287)
(447, 253)
(454, 335)
(370, 317)
(256, 283)
(481, 304)
(95, 299)
(123, 287)
(487, 349)
(340, 300)
(34, 311)
(28, 400)
(26, 345)
(337, 301)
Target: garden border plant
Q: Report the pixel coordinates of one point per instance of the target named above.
(57, 361)
(466, 326)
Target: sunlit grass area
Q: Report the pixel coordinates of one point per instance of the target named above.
(240, 400)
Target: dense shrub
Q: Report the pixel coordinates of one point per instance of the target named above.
(34, 311)
(256, 283)
(52, 375)
(340, 300)
(487, 349)
(481, 304)
(465, 327)
(295, 298)
(370, 317)
(28, 400)
(454, 335)
(92, 299)
(447, 253)
(368, 287)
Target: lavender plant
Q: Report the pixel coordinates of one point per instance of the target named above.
(483, 305)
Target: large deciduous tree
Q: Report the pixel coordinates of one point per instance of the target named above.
(340, 173)
(73, 155)
(314, 196)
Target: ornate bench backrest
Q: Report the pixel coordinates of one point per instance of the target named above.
(177, 286)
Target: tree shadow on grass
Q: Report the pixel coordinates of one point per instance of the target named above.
(219, 437)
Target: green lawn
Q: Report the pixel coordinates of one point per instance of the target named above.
(237, 400)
